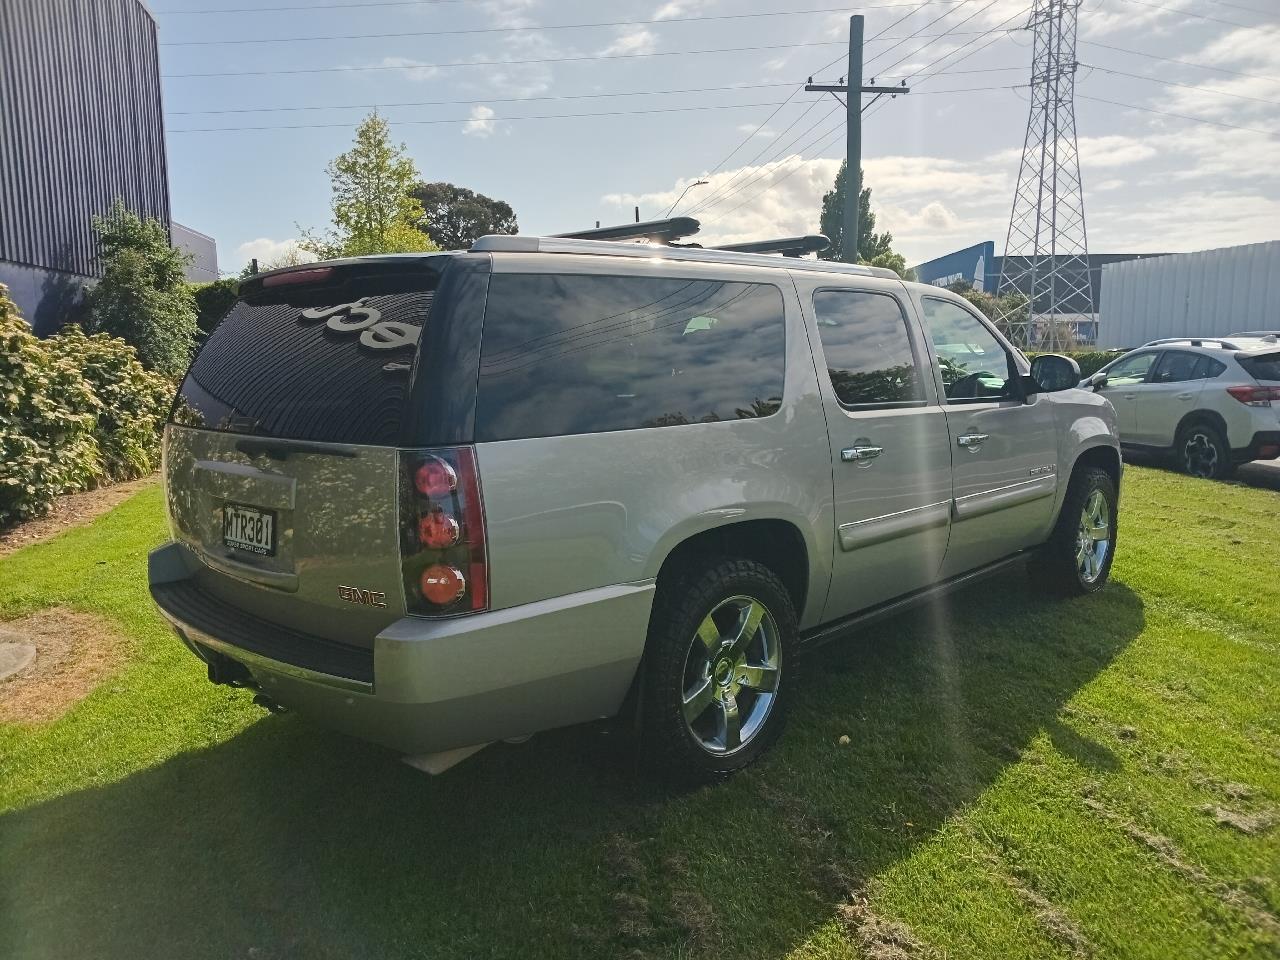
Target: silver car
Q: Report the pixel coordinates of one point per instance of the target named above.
(1210, 404)
(438, 501)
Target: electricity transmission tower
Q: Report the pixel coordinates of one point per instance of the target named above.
(1046, 254)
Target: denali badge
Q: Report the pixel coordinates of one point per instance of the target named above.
(367, 598)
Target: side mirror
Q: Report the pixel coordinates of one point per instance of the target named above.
(1098, 380)
(1052, 372)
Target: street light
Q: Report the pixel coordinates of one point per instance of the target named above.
(696, 183)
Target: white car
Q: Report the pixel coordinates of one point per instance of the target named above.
(1211, 403)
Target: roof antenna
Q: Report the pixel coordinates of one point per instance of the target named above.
(637, 214)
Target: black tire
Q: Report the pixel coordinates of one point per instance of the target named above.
(1202, 451)
(1058, 566)
(674, 748)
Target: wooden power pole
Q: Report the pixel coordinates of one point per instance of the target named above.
(853, 133)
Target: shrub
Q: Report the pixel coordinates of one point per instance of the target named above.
(47, 416)
(1091, 361)
(213, 300)
(133, 401)
(143, 296)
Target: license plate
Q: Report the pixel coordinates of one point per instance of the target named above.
(249, 529)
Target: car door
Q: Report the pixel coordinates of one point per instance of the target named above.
(1003, 444)
(890, 452)
(1126, 380)
(1169, 394)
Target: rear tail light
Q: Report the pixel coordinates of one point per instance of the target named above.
(442, 536)
(1255, 396)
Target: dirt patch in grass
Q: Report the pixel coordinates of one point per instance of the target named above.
(878, 938)
(75, 651)
(1247, 823)
(71, 510)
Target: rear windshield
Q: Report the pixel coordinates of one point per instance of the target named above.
(1265, 367)
(327, 361)
(585, 354)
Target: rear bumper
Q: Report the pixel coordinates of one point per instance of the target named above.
(1264, 446)
(431, 685)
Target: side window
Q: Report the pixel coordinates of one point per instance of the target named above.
(1176, 366)
(1127, 371)
(975, 365)
(567, 354)
(869, 357)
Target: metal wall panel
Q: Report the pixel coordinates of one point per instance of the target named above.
(80, 124)
(1210, 294)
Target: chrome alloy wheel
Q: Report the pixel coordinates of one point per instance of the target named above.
(731, 675)
(1200, 455)
(1093, 541)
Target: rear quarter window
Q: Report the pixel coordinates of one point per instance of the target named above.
(570, 354)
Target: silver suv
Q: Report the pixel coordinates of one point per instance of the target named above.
(1210, 403)
(438, 501)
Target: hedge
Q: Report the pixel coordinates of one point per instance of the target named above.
(1091, 361)
(74, 410)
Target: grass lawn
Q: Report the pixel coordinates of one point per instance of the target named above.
(1023, 778)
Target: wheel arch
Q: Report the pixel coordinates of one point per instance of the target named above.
(1100, 456)
(776, 543)
(1210, 417)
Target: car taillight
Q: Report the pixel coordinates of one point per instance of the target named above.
(1255, 396)
(442, 536)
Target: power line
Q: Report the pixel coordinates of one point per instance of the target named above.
(1241, 6)
(1182, 116)
(1192, 13)
(1184, 63)
(502, 63)
(900, 60)
(743, 175)
(550, 116)
(524, 29)
(440, 103)
(719, 191)
(1175, 83)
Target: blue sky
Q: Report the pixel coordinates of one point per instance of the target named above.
(941, 161)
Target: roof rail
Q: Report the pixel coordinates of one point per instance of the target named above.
(655, 231)
(1194, 342)
(506, 243)
(787, 246)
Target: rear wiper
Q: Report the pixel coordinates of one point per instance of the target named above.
(278, 451)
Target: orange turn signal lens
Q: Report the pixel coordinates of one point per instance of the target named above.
(442, 584)
(438, 530)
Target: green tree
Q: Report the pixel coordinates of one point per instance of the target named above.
(373, 207)
(870, 243)
(455, 217)
(1008, 313)
(143, 296)
(895, 262)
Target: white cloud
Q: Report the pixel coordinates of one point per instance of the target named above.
(681, 8)
(481, 123)
(751, 128)
(268, 251)
(631, 40)
(410, 69)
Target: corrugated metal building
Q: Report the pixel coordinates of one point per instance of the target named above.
(80, 124)
(1209, 293)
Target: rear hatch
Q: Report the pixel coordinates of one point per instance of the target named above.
(280, 456)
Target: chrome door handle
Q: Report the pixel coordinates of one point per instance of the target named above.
(850, 454)
(1130, 396)
(1184, 396)
(971, 439)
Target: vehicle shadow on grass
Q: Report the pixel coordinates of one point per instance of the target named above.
(287, 841)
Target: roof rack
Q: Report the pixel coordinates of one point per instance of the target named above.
(655, 231)
(1194, 342)
(787, 246)
(505, 243)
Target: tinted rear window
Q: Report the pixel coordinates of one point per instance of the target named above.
(584, 354)
(1266, 367)
(328, 363)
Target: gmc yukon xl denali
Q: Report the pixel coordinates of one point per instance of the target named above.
(440, 500)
